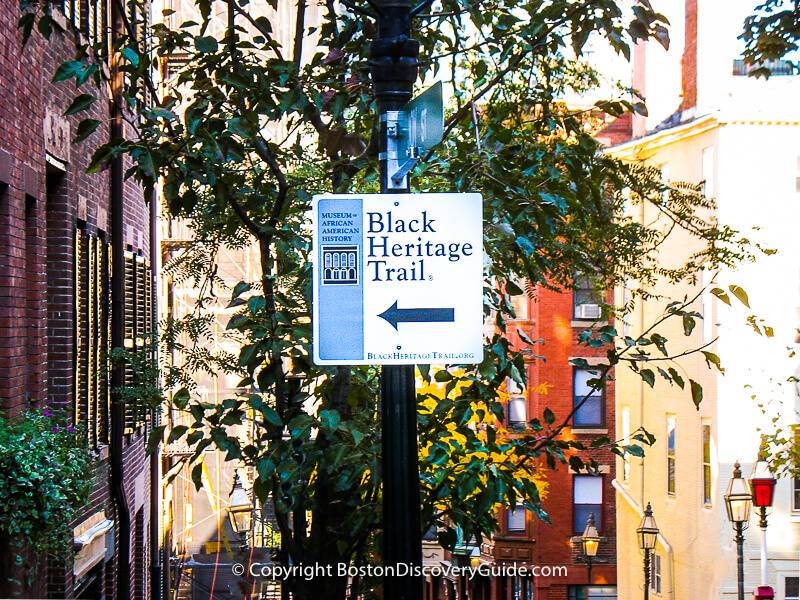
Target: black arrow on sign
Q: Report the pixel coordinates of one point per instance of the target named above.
(394, 315)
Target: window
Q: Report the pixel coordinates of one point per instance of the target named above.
(593, 592)
(791, 588)
(625, 419)
(796, 494)
(671, 454)
(517, 404)
(519, 302)
(587, 498)
(706, 464)
(655, 572)
(797, 179)
(516, 518)
(138, 326)
(92, 335)
(587, 300)
(588, 399)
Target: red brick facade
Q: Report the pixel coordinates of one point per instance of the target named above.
(45, 195)
(551, 386)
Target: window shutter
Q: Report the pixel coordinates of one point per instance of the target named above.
(130, 333)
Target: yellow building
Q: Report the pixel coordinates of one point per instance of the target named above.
(741, 137)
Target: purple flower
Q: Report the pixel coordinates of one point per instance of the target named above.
(46, 412)
(71, 429)
(54, 429)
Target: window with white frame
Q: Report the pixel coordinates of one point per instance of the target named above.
(587, 299)
(587, 498)
(520, 302)
(671, 454)
(655, 572)
(588, 398)
(516, 518)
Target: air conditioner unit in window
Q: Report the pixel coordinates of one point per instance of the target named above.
(588, 311)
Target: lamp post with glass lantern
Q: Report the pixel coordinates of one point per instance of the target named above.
(648, 534)
(590, 543)
(762, 486)
(240, 510)
(738, 502)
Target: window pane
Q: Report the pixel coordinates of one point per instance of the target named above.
(517, 413)
(581, 514)
(601, 593)
(792, 588)
(581, 385)
(587, 489)
(590, 412)
(516, 519)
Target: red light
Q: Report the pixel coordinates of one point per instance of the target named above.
(763, 491)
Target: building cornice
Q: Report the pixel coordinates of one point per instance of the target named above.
(641, 148)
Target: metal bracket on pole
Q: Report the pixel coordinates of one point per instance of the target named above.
(395, 123)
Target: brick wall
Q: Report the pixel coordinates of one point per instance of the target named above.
(551, 386)
(689, 59)
(42, 201)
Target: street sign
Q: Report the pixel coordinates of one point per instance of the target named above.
(398, 279)
(426, 120)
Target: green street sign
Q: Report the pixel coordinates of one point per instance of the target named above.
(425, 120)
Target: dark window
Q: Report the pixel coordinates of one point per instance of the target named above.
(587, 300)
(587, 498)
(776, 67)
(796, 494)
(588, 398)
(791, 588)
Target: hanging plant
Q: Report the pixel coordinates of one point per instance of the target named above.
(45, 478)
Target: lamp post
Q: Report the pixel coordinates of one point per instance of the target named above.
(738, 502)
(762, 486)
(590, 542)
(647, 533)
(240, 510)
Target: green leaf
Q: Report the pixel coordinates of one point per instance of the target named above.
(697, 393)
(206, 44)
(722, 295)
(634, 450)
(271, 416)
(443, 375)
(155, 438)
(85, 128)
(740, 294)
(688, 324)
(713, 359)
(68, 70)
(330, 419)
(549, 416)
(181, 398)
(676, 377)
(80, 103)
(240, 289)
(648, 376)
(131, 55)
(177, 433)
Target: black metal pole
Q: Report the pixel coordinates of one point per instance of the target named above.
(646, 574)
(740, 559)
(393, 66)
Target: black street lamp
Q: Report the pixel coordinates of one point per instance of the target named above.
(240, 510)
(590, 543)
(738, 502)
(648, 534)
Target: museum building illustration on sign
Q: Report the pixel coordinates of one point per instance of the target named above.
(385, 271)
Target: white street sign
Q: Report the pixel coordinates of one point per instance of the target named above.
(398, 279)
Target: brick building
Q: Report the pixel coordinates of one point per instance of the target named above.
(558, 317)
(71, 246)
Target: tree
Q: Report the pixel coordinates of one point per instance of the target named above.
(771, 33)
(554, 206)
